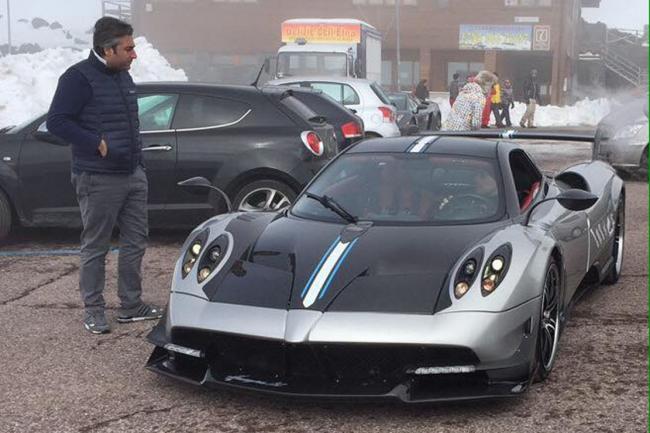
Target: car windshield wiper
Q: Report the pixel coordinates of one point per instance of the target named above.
(333, 205)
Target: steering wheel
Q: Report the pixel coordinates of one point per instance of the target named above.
(464, 203)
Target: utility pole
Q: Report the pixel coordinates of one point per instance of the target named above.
(399, 87)
(9, 27)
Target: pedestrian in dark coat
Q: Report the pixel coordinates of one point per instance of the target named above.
(531, 97)
(421, 90)
(454, 89)
(95, 109)
(507, 102)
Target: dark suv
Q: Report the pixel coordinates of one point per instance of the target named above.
(260, 146)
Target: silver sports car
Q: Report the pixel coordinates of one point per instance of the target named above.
(414, 268)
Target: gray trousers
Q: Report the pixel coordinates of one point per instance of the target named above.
(106, 200)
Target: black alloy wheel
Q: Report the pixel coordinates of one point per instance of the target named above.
(548, 333)
(617, 247)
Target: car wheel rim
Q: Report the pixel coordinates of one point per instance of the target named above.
(550, 317)
(263, 200)
(619, 237)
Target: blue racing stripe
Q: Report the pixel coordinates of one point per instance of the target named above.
(336, 268)
(322, 260)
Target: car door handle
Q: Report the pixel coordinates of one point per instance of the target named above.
(158, 148)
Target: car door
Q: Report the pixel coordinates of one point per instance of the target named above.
(44, 186)
(570, 228)
(209, 136)
(159, 150)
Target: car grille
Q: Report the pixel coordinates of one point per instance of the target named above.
(374, 367)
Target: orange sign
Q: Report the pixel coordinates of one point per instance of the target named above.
(321, 33)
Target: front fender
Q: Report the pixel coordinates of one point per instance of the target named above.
(524, 279)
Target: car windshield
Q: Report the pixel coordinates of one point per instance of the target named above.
(294, 64)
(399, 101)
(391, 188)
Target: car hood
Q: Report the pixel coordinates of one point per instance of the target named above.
(290, 263)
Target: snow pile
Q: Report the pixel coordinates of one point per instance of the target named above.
(586, 112)
(28, 81)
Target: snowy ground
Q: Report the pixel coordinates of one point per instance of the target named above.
(28, 81)
(584, 113)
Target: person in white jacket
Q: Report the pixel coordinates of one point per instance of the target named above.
(467, 111)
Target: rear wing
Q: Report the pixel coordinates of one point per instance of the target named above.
(514, 134)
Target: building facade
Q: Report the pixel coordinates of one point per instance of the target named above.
(227, 40)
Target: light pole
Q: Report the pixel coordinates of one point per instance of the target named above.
(398, 43)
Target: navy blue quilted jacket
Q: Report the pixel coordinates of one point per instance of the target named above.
(93, 102)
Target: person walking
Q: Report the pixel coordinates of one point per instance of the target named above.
(95, 109)
(507, 102)
(487, 109)
(421, 90)
(467, 111)
(531, 96)
(454, 88)
(496, 103)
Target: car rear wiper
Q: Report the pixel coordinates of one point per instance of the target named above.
(333, 205)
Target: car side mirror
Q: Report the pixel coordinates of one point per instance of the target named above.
(577, 199)
(572, 199)
(201, 182)
(48, 137)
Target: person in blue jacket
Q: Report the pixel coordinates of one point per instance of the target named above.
(95, 109)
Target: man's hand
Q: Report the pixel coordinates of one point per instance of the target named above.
(103, 148)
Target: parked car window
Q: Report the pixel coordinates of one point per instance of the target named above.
(380, 93)
(156, 111)
(341, 93)
(197, 111)
(400, 101)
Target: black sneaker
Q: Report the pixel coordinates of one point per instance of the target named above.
(144, 312)
(95, 323)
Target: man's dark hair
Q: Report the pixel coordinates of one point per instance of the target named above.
(456, 75)
(108, 31)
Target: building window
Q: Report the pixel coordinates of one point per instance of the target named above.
(463, 69)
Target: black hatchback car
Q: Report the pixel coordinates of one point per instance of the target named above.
(260, 146)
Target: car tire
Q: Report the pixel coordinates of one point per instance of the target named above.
(617, 248)
(372, 135)
(438, 125)
(548, 329)
(5, 215)
(263, 196)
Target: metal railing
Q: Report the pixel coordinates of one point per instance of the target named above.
(617, 61)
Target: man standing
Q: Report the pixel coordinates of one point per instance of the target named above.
(496, 104)
(531, 97)
(454, 88)
(95, 109)
(421, 90)
(467, 112)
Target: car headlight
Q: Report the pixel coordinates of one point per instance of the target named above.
(629, 131)
(193, 252)
(495, 269)
(467, 273)
(214, 254)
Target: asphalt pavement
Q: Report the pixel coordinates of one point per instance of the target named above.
(55, 377)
